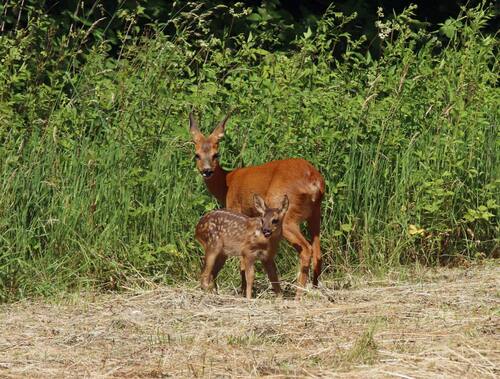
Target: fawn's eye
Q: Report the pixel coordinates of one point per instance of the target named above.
(275, 221)
(197, 157)
(216, 156)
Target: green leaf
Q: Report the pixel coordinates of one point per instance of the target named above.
(308, 33)
(492, 204)
(261, 51)
(254, 17)
(487, 215)
(346, 227)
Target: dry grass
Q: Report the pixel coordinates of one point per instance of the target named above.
(445, 324)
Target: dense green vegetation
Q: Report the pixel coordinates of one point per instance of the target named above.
(98, 185)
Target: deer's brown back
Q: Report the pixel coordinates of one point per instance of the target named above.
(296, 178)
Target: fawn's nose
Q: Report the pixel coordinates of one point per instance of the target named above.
(207, 173)
(267, 233)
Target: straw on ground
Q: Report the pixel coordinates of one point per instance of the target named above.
(446, 323)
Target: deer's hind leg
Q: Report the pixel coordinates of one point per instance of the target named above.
(291, 231)
(219, 263)
(212, 254)
(313, 224)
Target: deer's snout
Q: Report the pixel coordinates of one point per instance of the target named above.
(267, 232)
(207, 173)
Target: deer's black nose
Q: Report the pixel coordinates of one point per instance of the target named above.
(267, 233)
(207, 173)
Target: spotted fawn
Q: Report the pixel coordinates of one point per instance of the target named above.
(224, 233)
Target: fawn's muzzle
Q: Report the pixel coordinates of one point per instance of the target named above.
(267, 233)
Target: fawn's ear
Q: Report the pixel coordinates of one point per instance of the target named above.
(284, 206)
(193, 128)
(259, 204)
(218, 132)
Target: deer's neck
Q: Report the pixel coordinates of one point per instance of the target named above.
(217, 185)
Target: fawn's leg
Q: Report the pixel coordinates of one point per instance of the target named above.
(243, 276)
(270, 266)
(207, 274)
(272, 274)
(219, 263)
(249, 274)
(232, 204)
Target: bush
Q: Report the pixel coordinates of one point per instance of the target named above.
(98, 182)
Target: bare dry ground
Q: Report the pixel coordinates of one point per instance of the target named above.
(442, 323)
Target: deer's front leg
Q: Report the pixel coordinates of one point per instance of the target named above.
(243, 276)
(249, 262)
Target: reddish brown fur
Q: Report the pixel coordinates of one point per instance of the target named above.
(224, 233)
(297, 178)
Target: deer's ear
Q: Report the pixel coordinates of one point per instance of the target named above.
(259, 204)
(193, 128)
(284, 205)
(218, 132)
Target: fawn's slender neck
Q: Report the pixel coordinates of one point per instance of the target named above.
(217, 185)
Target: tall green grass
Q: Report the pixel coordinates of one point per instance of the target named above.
(98, 185)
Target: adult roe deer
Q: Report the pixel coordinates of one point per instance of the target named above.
(224, 233)
(297, 178)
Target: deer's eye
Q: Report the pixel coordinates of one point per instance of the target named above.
(197, 157)
(275, 221)
(216, 156)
